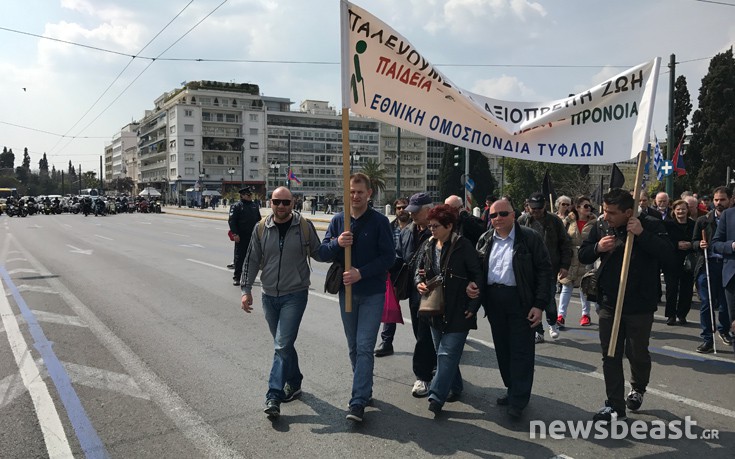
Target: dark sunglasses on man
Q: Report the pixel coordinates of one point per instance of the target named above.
(278, 202)
(502, 213)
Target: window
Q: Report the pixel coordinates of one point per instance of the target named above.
(220, 159)
(188, 142)
(253, 159)
(189, 113)
(172, 158)
(220, 117)
(188, 156)
(172, 144)
(172, 129)
(253, 131)
(253, 145)
(253, 173)
(172, 171)
(189, 171)
(172, 114)
(216, 102)
(231, 118)
(188, 128)
(253, 117)
(193, 100)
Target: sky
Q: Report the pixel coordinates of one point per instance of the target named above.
(521, 50)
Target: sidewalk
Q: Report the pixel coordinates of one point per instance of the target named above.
(320, 219)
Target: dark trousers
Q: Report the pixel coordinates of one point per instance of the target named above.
(717, 298)
(678, 292)
(633, 336)
(730, 296)
(551, 310)
(241, 249)
(513, 339)
(388, 333)
(424, 354)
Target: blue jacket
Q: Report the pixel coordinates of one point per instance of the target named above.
(722, 244)
(373, 251)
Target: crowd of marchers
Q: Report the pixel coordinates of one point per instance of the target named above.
(511, 261)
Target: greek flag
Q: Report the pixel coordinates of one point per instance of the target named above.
(658, 159)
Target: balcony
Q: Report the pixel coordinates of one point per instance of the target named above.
(221, 132)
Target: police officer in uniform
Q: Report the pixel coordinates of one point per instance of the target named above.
(244, 215)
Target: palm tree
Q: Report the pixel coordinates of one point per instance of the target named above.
(375, 173)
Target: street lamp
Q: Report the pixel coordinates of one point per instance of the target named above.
(354, 158)
(178, 190)
(201, 186)
(231, 171)
(275, 167)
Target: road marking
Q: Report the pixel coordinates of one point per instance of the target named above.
(103, 237)
(22, 271)
(208, 264)
(52, 318)
(66, 224)
(15, 259)
(702, 357)
(48, 418)
(176, 234)
(34, 288)
(186, 419)
(144, 223)
(89, 441)
(78, 250)
(198, 246)
(11, 387)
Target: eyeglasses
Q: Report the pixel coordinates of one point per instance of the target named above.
(432, 227)
(400, 207)
(586, 206)
(502, 213)
(564, 203)
(278, 202)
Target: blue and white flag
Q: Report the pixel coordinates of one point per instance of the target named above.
(658, 159)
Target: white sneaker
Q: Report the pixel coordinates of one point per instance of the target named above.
(539, 338)
(554, 331)
(420, 389)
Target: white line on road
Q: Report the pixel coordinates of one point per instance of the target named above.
(78, 250)
(15, 259)
(176, 234)
(48, 417)
(103, 237)
(208, 264)
(701, 356)
(22, 271)
(186, 419)
(34, 288)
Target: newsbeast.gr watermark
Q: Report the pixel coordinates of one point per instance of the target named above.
(618, 430)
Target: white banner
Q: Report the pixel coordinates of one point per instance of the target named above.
(385, 78)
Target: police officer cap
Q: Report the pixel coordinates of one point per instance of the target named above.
(246, 190)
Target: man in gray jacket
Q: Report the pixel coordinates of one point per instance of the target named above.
(280, 247)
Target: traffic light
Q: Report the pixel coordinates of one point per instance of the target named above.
(457, 156)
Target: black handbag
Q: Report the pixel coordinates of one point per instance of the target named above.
(403, 282)
(333, 280)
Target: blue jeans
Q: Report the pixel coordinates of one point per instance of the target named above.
(719, 303)
(283, 314)
(550, 310)
(449, 347)
(361, 330)
(566, 295)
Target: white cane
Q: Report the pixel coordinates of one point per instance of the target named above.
(709, 294)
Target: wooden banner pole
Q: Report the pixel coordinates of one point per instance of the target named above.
(626, 260)
(346, 198)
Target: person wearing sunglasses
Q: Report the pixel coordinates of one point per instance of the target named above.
(517, 286)
(551, 229)
(280, 250)
(385, 348)
(563, 206)
(244, 215)
(577, 223)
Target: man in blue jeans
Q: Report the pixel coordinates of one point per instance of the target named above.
(373, 254)
(280, 247)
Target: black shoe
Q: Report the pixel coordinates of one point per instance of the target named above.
(705, 348)
(502, 401)
(291, 393)
(608, 414)
(453, 396)
(231, 266)
(272, 409)
(683, 321)
(671, 321)
(236, 282)
(435, 407)
(384, 349)
(725, 337)
(356, 413)
(514, 413)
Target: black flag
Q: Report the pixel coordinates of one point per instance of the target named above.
(547, 188)
(617, 179)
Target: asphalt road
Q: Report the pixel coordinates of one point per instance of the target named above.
(122, 336)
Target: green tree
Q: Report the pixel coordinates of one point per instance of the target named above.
(485, 183)
(375, 172)
(525, 177)
(43, 166)
(450, 176)
(89, 180)
(682, 110)
(713, 125)
(7, 159)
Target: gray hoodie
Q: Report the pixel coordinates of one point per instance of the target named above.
(284, 269)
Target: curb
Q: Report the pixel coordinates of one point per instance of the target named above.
(195, 214)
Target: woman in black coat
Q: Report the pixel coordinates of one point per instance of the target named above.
(679, 277)
(454, 258)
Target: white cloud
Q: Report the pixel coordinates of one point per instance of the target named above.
(505, 87)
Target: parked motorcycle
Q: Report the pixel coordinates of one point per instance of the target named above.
(100, 209)
(155, 207)
(86, 205)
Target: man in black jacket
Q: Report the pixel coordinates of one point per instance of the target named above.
(651, 248)
(244, 215)
(518, 275)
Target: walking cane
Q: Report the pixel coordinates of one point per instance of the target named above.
(709, 296)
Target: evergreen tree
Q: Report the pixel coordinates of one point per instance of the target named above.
(713, 125)
(485, 183)
(450, 175)
(7, 159)
(43, 166)
(26, 160)
(682, 110)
